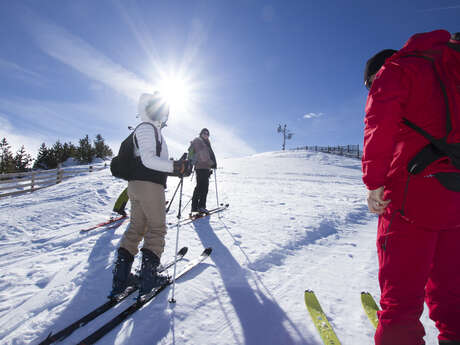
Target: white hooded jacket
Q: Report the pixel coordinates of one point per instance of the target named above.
(145, 136)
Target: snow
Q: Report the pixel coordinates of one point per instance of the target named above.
(297, 220)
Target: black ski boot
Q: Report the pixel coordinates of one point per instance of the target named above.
(121, 272)
(149, 277)
(203, 210)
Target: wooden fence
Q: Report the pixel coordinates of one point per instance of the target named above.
(21, 183)
(346, 150)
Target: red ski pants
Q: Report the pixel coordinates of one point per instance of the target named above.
(416, 265)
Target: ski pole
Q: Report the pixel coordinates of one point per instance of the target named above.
(215, 180)
(169, 206)
(188, 202)
(172, 299)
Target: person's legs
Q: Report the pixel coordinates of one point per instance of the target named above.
(153, 206)
(196, 193)
(405, 256)
(148, 218)
(443, 287)
(152, 201)
(138, 221)
(129, 243)
(203, 178)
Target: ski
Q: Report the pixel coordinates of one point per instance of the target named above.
(370, 308)
(64, 333)
(196, 216)
(110, 221)
(320, 320)
(106, 328)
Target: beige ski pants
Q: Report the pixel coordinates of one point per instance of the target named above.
(148, 217)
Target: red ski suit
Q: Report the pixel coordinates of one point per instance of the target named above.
(418, 239)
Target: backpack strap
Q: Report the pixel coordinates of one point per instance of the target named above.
(438, 148)
(157, 141)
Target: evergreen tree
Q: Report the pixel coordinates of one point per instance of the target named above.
(101, 149)
(70, 150)
(22, 160)
(85, 151)
(43, 156)
(57, 154)
(6, 157)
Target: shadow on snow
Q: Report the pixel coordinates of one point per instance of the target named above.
(261, 318)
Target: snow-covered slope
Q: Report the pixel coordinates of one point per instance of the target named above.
(297, 220)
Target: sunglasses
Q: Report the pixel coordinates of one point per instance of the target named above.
(368, 84)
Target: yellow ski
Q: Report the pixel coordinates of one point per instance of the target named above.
(320, 320)
(370, 308)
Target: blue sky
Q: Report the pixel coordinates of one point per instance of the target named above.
(240, 67)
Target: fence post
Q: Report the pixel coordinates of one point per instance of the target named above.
(59, 174)
(32, 182)
(90, 168)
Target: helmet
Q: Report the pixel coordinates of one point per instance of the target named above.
(153, 108)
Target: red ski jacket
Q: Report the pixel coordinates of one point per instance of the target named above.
(407, 87)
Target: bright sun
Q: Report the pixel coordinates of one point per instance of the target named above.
(176, 91)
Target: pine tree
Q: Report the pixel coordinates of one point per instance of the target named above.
(41, 162)
(57, 154)
(6, 157)
(70, 150)
(85, 151)
(101, 149)
(22, 160)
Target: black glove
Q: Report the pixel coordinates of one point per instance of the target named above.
(210, 173)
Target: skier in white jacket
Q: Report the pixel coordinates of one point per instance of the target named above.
(146, 191)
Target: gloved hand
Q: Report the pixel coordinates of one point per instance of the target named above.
(179, 167)
(188, 167)
(210, 173)
(182, 167)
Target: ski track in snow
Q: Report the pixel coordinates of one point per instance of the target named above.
(297, 220)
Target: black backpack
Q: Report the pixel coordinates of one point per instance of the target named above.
(124, 164)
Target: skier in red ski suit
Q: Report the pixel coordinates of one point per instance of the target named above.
(418, 240)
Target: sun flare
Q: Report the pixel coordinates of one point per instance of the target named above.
(176, 91)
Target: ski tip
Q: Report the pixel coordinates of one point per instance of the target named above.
(207, 251)
(48, 339)
(183, 251)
